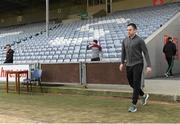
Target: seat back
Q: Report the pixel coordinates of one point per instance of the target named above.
(36, 74)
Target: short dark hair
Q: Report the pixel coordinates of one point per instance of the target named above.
(7, 45)
(95, 41)
(133, 25)
(169, 39)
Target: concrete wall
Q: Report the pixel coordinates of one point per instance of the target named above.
(118, 5)
(57, 12)
(155, 46)
(95, 9)
(37, 13)
(132, 4)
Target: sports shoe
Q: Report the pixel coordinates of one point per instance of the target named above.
(132, 108)
(144, 99)
(171, 75)
(166, 75)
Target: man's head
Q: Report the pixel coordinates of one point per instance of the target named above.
(8, 47)
(131, 29)
(169, 39)
(95, 41)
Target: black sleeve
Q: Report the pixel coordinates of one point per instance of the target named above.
(123, 54)
(174, 49)
(88, 48)
(164, 49)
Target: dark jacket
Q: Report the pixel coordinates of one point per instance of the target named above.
(169, 49)
(9, 56)
(132, 50)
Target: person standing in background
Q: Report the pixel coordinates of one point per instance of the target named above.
(9, 54)
(96, 49)
(169, 50)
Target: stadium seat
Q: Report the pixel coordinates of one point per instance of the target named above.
(67, 42)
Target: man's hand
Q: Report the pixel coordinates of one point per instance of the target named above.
(148, 70)
(121, 67)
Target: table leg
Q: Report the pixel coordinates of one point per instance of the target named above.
(18, 83)
(7, 82)
(16, 75)
(27, 83)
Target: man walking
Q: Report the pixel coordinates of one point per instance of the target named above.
(132, 48)
(169, 50)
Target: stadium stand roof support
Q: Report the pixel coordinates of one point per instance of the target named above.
(47, 18)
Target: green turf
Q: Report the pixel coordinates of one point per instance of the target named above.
(81, 108)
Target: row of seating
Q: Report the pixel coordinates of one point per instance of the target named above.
(67, 42)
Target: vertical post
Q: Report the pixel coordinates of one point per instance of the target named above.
(80, 72)
(87, 4)
(82, 68)
(84, 81)
(47, 18)
(106, 6)
(110, 6)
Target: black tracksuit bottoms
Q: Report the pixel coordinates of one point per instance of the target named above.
(134, 74)
(170, 62)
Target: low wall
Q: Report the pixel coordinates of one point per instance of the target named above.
(105, 73)
(65, 73)
(91, 73)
